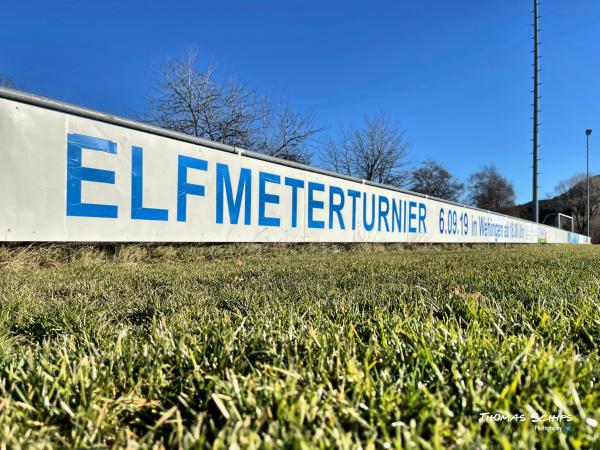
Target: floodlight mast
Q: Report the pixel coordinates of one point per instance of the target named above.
(536, 209)
(587, 176)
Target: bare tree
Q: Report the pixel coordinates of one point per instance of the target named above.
(284, 133)
(490, 190)
(572, 199)
(6, 82)
(192, 101)
(375, 151)
(431, 178)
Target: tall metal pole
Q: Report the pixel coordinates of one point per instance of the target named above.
(587, 176)
(536, 209)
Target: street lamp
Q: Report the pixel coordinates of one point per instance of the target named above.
(587, 152)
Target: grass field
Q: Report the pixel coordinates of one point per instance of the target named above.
(309, 346)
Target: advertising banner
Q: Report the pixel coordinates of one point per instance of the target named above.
(70, 174)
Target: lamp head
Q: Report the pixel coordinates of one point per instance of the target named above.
(588, 132)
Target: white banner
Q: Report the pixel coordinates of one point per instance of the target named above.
(68, 177)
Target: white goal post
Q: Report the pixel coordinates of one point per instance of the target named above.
(559, 220)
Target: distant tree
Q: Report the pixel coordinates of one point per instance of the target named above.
(431, 178)
(490, 190)
(6, 82)
(191, 101)
(572, 199)
(375, 151)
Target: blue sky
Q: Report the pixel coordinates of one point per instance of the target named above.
(455, 74)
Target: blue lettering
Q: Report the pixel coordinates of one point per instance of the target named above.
(295, 184)
(336, 207)
(183, 187)
(422, 216)
(314, 204)
(383, 212)
(264, 198)
(244, 189)
(76, 173)
(355, 195)
(411, 216)
(137, 190)
(396, 215)
(368, 226)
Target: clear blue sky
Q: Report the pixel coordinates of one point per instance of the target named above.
(456, 73)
